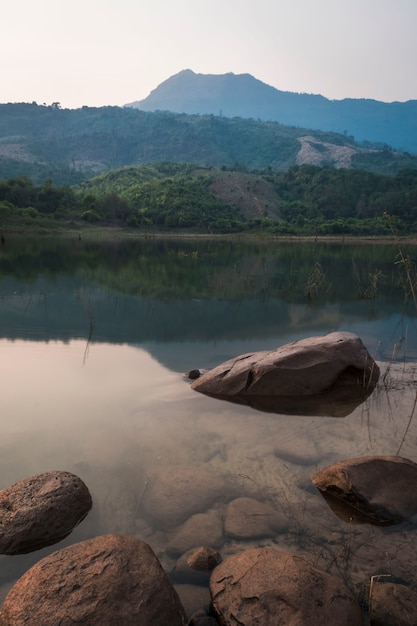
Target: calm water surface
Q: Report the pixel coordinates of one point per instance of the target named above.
(95, 338)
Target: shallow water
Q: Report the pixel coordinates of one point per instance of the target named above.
(94, 342)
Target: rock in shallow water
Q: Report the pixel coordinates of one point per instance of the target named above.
(195, 566)
(391, 604)
(109, 580)
(328, 375)
(247, 518)
(175, 492)
(380, 490)
(195, 531)
(41, 510)
(269, 587)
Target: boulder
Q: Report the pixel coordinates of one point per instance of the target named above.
(40, 510)
(112, 579)
(328, 375)
(392, 604)
(380, 490)
(247, 518)
(269, 587)
(175, 492)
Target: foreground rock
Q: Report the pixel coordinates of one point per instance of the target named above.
(104, 581)
(327, 375)
(380, 490)
(269, 587)
(40, 510)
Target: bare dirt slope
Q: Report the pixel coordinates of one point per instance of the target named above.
(316, 152)
(254, 196)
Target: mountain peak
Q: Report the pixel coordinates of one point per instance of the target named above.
(243, 95)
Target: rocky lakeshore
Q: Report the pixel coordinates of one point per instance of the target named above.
(118, 579)
(252, 528)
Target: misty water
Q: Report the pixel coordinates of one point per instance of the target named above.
(95, 337)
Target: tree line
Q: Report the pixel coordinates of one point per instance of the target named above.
(312, 201)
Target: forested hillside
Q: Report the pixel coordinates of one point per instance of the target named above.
(305, 199)
(67, 146)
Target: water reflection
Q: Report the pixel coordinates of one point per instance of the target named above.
(338, 402)
(120, 415)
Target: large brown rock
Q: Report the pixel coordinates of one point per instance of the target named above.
(269, 587)
(106, 581)
(328, 375)
(380, 490)
(40, 510)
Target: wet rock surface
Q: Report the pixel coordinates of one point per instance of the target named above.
(109, 580)
(379, 490)
(41, 510)
(266, 586)
(327, 375)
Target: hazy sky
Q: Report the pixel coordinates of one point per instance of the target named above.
(99, 52)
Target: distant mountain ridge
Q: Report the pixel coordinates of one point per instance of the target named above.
(242, 95)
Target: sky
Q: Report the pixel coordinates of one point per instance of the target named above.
(113, 52)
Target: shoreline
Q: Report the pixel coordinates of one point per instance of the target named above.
(104, 233)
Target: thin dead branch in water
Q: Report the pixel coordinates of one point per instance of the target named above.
(92, 322)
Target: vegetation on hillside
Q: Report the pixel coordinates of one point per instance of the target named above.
(69, 145)
(307, 200)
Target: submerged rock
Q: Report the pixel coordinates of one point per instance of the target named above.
(195, 565)
(175, 492)
(41, 510)
(193, 598)
(246, 518)
(380, 490)
(112, 579)
(328, 375)
(266, 586)
(195, 531)
(392, 604)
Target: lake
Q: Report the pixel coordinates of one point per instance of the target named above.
(95, 337)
